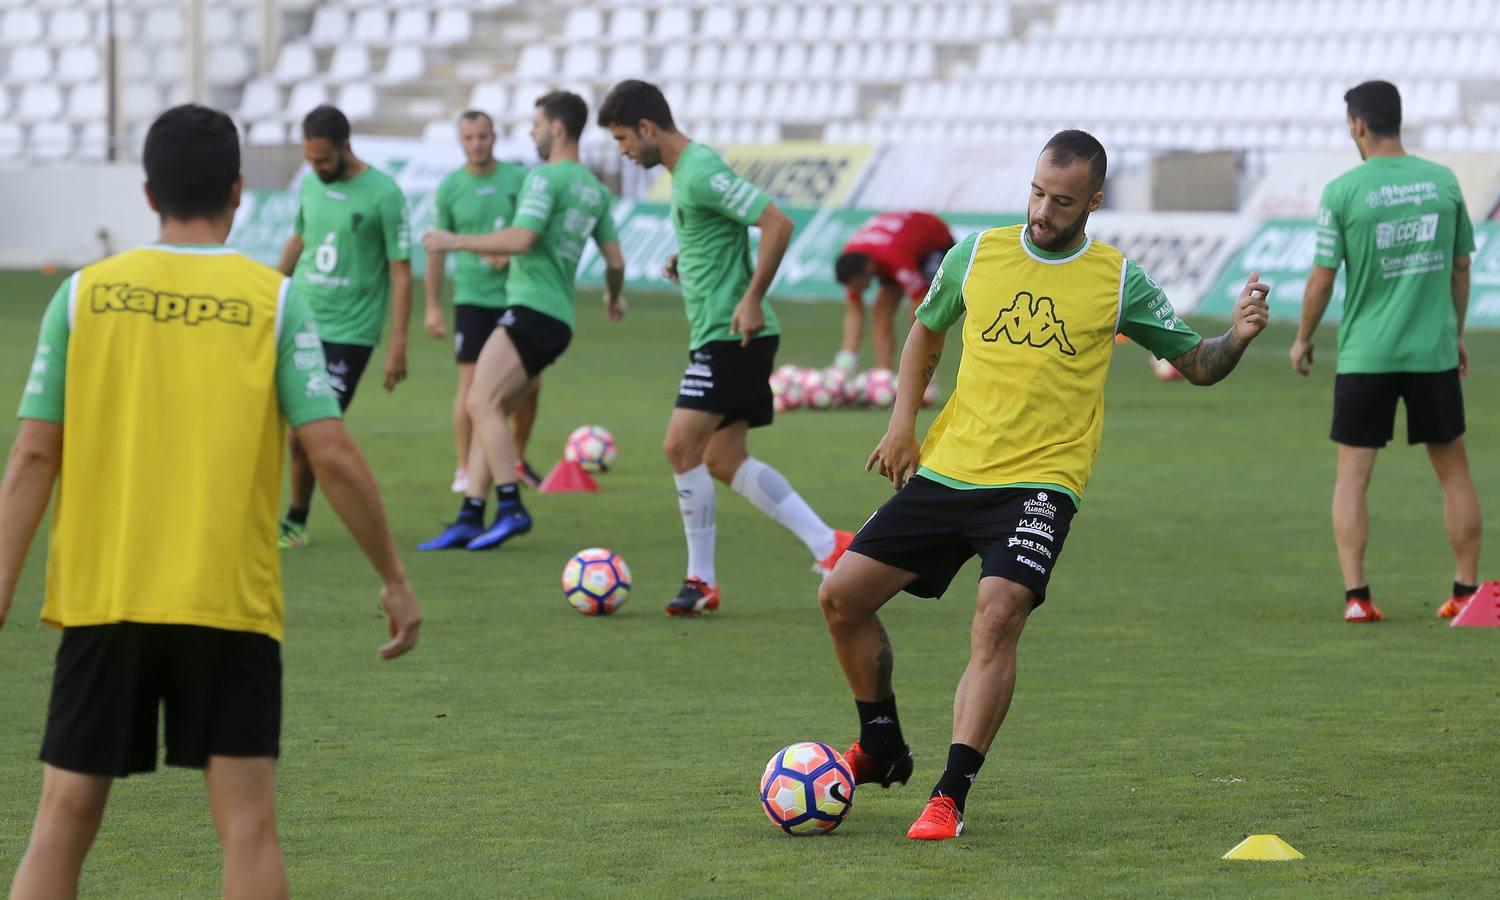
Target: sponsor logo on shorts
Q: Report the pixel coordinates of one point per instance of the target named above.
(1040, 507)
(1035, 526)
(1029, 544)
(1028, 561)
(507, 320)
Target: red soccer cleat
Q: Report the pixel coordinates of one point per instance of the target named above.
(1357, 611)
(695, 599)
(841, 542)
(870, 769)
(1454, 606)
(940, 821)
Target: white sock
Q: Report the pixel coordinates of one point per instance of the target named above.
(695, 499)
(769, 490)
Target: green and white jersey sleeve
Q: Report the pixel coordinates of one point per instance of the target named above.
(1147, 316)
(1329, 251)
(564, 205)
(46, 386)
(944, 303)
(302, 388)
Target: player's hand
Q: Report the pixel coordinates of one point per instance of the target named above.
(1463, 359)
(395, 367)
(1302, 356)
(434, 323)
(1251, 311)
(438, 241)
(669, 271)
(403, 616)
(496, 261)
(615, 307)
(748, 321)
(896, 456)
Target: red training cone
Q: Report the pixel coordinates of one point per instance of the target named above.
(567, 477)
(1483, 609)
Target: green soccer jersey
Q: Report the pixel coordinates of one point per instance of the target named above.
(712, 209)
(350, 232)
(565, 205)
(478, 204)
(1396, 223)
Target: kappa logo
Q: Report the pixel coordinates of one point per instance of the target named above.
(166, 307)
(1031, 563)
(1030, 321)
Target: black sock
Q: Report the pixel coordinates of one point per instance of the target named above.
(1359, 593)
(472, 511)
(963, 767)
(296, 516)
(509, 495)
(879, 729)
(1464, 590)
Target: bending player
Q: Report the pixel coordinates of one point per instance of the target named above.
(477, 198)
(1004, 466)
(900, 250)
(732, 348)
(562, 205)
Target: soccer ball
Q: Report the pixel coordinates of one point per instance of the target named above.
(855, 391)
(837, 383)
(785, 393)
(592, 448)
(807, 788)
(815, 391)
(596, 581)
(880, 388)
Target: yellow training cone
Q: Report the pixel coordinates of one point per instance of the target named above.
(1263, 847)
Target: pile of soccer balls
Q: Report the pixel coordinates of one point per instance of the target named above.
(794, 387)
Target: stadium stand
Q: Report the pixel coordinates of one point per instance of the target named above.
(1151, 75)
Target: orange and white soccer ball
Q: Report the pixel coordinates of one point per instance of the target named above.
(596, 581)
(807, 789)
(591, 447)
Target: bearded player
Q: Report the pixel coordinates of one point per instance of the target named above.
(1004, 466)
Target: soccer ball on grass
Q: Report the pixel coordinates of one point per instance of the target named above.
(807, 788)
(596, 581)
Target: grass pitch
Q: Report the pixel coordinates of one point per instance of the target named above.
(1188, 682)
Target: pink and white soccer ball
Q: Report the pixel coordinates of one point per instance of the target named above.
(855, 391)
(787, 371)
(815, 391)
(807, 789)
(591, 447)
(880, 388)
(596, 581)
(837, 383)
(786, 395)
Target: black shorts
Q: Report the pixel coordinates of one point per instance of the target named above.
(1364, 407)
(346, 365)
(471, 328)
(539, 339)
(931, 530)
(221, 691)
(732, 379)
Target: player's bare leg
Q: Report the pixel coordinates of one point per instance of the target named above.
(688, 434)
(67, 819)
(522, 422)
(242, 801)
(499, 380)
(854, 334)
(887, 298)
(462, 430)
(1351, 528)
(1461, 516)
(984, 691)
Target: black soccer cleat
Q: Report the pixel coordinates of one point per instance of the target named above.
(870, 769)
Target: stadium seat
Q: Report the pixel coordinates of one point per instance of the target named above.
(50, 141)
(721, 22)
(261, 99)
(227, 65)
(438, 131)
(140, 101)
(757, 22)
(582, 61)
(39, 103)
(29, 63)
(452, 26)
(584, 23)
(12, 141)
(370, 26)
(358, 101)
(490, 96)
(295, 62)
(784, 23)
(69, 26)
(169, 65)
(330, 26)
(163, 26)
(793, 62)
(676, 61)
(628, 61)
(412, 26)
(672, 23)
(20, 27)
(93, 142)
(267, 133)
(537, 61)
(736, 62)
(627, 24)
(350, 62)
(869, 25)
(86, 102)
(77, 63)
(404, 63)
(220, 25)
(305, 96)
(708, 61)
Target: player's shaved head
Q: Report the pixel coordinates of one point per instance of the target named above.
(192, 161)
(1065, 190)
(1070, 146)
(476, 134)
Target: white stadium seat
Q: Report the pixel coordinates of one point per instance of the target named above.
(296, 62)
(4, 103)
(330, 26)
(50, 140)
(163, 26)
(350, 62)
(220, 25)
(628, 61)
(267, 133)
(371, 26)
(20, 27)
(453, 26)
(719, 22)
(357, 101)
(262, 98)
(673, 22)
(438, 131)
(12, 142)
(86, 102)
(169, 66)
(304, 97)
(412, 26)
(537, 61)
(38, 103)
(627, 24)
(93, 142)
(584, 23)
(69, 26)
(708, 61)
(140, 101)
(404, 63)
(490, 96)
(77, 63)
(582, 61)
(676, 61)
(30, 63)
(227, 64)
(736, 63)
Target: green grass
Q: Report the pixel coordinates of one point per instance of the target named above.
(1189, 681)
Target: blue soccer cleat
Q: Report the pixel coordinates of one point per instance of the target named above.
(454, 537)
(508, 524)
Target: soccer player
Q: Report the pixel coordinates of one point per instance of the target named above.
(350, 259)
(732, 349)
(159, 398)
(562, 205)
(1399, 226)
(900, 250)
(478, 198)
(1003, 468)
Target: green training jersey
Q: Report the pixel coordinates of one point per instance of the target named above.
(478, 204)
(350, 232)
(712, 209)
(565, 205)
(1396, 223)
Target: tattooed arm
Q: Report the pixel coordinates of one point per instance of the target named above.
(1215, 358)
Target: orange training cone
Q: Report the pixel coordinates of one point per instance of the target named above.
(1482, 610)
(567, 477)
